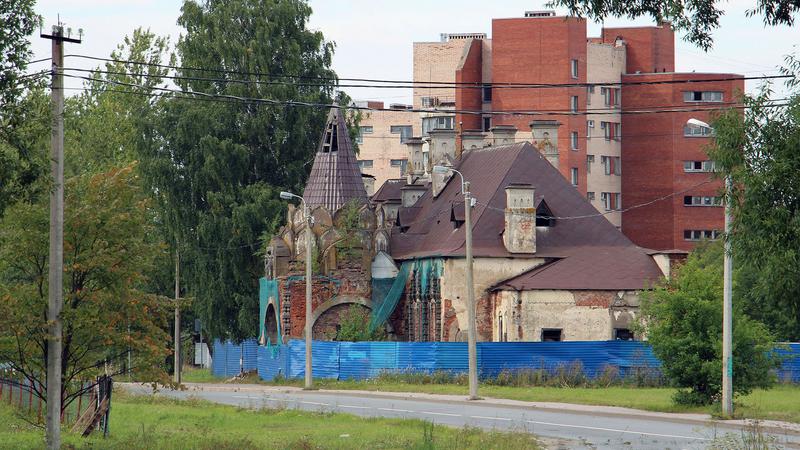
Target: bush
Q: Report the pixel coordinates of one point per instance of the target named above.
(683, 321)
(354, 326)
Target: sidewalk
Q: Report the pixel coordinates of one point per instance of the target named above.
(593, 410)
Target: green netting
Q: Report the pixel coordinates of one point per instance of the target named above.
(267, 289)
(383, 305)
(386, 293)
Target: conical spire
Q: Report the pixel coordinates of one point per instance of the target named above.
(335, 178)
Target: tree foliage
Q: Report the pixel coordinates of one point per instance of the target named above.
(19, 21)
(107, 250)
(683, 322)
(218, 166)
(354, 326)
(698, 18)
(759, 150)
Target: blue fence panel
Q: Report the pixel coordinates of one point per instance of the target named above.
(324, 359)
(272, 362)
(360, 360)
(416, 357)
(218, 359)
(249, 355)
(453, 357)
(790, 368)
(233, 359)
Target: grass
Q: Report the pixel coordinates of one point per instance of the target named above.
(779, 403)
(145, 422)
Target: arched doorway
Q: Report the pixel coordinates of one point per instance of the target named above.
(271, 325)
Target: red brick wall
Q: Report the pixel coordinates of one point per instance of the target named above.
(469, 98)
(648, 49)
(653, 152)
(539, 50)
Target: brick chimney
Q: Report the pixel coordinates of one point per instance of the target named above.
(416, 166)
(519, 235)
(473, 139)
(545, 139)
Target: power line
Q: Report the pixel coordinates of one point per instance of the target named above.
(426, 84)
(412, 110)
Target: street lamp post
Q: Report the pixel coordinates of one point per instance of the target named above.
(471, 332)
(727, 296)
(309, 240)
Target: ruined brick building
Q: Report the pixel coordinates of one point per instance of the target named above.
(547, 265)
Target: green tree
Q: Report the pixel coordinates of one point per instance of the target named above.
(698, 18)
(24, 110)
(354, 326)
(758, 149)
(107, 250)
(219, 164)
(683, 322)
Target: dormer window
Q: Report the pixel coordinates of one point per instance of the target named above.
(544, 217)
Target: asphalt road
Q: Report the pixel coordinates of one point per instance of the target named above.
(587, 428)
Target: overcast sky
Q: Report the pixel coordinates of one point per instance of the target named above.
(374, 38)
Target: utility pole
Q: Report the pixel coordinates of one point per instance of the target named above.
(177, 372)
(727, 309)
(309, 240)
(472, 346)
(309, 379)
(56, 260)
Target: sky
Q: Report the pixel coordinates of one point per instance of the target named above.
(374, 38)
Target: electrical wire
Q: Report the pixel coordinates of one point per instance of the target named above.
(426, 84)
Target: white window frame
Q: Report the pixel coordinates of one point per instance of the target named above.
(573, 103)
(573, 68)
(574, 176)
(573, 139)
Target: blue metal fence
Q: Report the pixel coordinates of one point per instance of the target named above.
(361, 360)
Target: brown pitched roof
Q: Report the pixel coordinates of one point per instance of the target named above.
(584, 241)
(389, 190)
(593, 268)
(335, 177)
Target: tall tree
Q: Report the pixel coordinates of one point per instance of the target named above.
(23, 106)
(221, 161)
(107, 250)
(698, 18)
(758, 149)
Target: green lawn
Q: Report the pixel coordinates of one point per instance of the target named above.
(780, 403)
(146, 422)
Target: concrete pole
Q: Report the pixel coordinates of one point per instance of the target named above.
(56, 262)
(309, 241)
(177, 372)
(727, 311)
(471, 332)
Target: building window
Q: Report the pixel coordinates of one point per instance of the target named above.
(573, 139)
(617, 135)
(605, 199)
(573, 68)
(437, 123)
(612, 165)
(610, 96)
(429, 102)
(574, 176)
(365, 163)
(487, 124)
(623, 334)
(487, 93)
(573, 103)
(699, 166)
(695, 131)
(405, 131)
(589, 128)
(401, 163)
(606, 130)
(589, 94)
(551, 334)
(617, 201)
(702, 96)
(589, 162)
(701, 200)
(699, 235)
(367, 129)
(590, 196)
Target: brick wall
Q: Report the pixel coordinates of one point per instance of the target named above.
(469, 98)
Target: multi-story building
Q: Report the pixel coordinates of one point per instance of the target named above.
(617, 111)
(381, 142)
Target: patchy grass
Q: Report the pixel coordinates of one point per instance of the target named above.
(145, 422)
(199, 375)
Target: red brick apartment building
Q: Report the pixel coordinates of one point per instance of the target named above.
(611, 145)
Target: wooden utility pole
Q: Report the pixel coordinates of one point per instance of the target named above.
(177, 371)
(56, 261)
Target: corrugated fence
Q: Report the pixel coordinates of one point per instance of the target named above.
(361, 360)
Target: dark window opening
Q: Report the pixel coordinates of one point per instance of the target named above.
(544, 216)
(551, 334)
(623, 334)
(487, 93)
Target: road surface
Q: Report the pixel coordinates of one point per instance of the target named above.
(560, 425)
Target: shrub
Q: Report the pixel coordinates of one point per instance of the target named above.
(683, 321)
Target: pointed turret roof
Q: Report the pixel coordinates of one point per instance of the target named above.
(335, 178)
